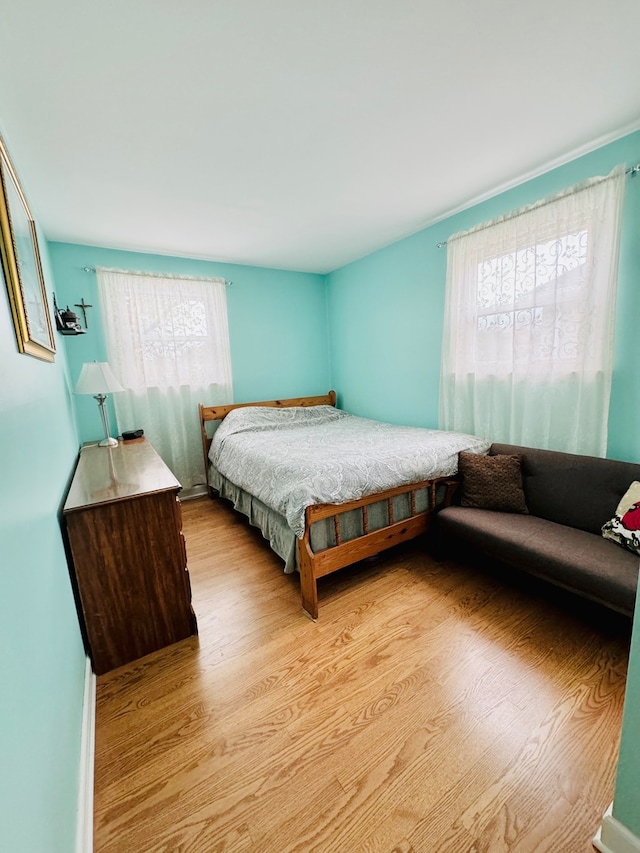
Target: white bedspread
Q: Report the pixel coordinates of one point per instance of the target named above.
(294, 457)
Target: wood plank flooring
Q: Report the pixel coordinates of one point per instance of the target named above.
(434, 707)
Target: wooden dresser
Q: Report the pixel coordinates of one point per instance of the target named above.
(124, 526)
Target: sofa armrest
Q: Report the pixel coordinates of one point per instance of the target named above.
(451, 488)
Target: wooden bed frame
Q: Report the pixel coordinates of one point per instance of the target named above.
(314, 565)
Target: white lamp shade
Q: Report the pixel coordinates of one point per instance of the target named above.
(96, 377)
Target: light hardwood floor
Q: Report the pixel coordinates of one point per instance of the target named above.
(434, 707)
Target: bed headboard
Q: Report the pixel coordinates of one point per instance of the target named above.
(217, 413)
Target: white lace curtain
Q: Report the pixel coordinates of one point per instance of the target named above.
(529, 320)
(167, 342)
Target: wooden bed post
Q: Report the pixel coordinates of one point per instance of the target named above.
(206, 442)
(308, 582)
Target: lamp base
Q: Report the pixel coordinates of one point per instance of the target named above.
(108, 442)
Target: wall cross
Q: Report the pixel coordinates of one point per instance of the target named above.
(82, 305)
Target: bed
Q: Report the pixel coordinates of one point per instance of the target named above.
(325, 487)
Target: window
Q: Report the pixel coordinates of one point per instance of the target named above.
(536, 292)
(168, 343)
(527, 346)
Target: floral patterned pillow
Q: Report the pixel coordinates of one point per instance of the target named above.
(624, 527)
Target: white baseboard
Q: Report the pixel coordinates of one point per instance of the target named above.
(194, 492)
(84, 828)
(614, 837)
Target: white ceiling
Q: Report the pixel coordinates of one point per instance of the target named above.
(299, 134)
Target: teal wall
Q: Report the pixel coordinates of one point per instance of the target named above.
(626, 804)
(277, 323)
(386, 310)
(42, 658)
(385, 328)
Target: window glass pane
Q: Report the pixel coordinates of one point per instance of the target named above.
(534, 293)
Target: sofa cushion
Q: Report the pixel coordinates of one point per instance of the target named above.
(580, 491)
(491, 482)
(575, 559)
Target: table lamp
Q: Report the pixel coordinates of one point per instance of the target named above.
(97, 378)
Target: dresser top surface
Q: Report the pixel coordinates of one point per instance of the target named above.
(108, 474)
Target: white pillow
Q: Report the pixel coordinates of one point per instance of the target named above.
(624, 527)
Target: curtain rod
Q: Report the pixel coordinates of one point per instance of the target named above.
(633, 170)
(160, 274)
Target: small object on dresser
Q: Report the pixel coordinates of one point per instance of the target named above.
(131, 434)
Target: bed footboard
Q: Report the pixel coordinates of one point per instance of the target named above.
(316, 564)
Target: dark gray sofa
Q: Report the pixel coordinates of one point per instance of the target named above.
(569, 498)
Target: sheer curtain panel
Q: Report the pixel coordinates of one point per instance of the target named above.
(529, 320)
(167, 342)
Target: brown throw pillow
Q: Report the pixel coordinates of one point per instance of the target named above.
(492, 482)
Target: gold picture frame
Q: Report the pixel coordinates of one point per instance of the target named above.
(22, 266)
